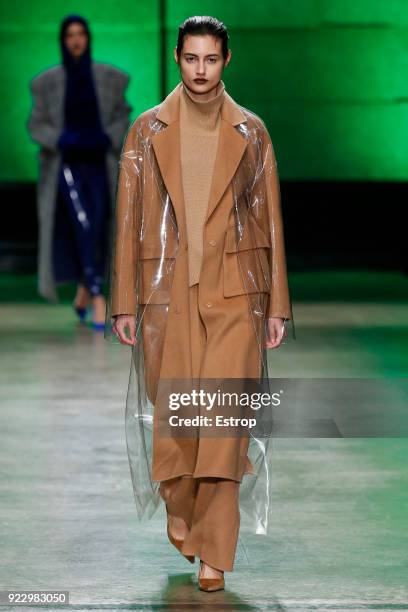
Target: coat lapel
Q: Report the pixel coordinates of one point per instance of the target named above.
(166, 145)
(231, 147)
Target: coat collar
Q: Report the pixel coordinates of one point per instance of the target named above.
(169, 110)
(166, 145)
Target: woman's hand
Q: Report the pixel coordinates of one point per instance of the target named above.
(275, 332)
(123, 322)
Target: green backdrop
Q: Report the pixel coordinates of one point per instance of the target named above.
(329, 77)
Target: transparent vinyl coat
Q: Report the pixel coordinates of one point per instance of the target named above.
(145, 252)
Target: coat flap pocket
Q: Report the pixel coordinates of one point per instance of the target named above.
(253, 237)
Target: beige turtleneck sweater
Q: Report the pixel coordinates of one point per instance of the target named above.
(199, 132)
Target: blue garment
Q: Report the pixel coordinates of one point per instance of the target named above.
(82, 213)
(81, 237)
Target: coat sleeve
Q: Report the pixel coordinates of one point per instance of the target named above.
(279, 302)
(39, 124)
(119, 121)
(125, 241)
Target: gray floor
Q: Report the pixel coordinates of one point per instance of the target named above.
(67, 519)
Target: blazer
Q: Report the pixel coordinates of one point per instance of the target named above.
(249, 261)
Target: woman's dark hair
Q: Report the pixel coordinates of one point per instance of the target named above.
(203, 24)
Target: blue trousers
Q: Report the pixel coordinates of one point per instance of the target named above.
(81, 225)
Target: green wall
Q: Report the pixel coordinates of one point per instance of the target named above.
(329, 77)
(124, 34)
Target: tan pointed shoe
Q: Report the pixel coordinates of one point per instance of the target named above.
(210, 584)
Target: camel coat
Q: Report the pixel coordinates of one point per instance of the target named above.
(216, 329)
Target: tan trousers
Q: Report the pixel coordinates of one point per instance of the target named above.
(210, 507)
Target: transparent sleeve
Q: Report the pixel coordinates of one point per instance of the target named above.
(124, 243)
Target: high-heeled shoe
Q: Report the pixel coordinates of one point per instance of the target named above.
(178, 543)
(81, 312)
(82, 297)
(99, 326)
(210, 584)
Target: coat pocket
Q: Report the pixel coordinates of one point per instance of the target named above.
(156, 274)
(246, 262)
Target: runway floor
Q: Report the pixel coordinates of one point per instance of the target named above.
(339, 538)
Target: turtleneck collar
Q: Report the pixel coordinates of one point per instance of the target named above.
(204, 112)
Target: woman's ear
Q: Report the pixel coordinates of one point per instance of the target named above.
(228, 58)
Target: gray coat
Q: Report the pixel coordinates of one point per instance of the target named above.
(45, 125)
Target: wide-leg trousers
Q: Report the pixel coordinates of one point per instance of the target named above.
(210, 508)
(208, 505)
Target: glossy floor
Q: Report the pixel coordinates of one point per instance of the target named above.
(339, 535)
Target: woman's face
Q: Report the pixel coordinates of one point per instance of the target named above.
(76, 39)
(201, 62)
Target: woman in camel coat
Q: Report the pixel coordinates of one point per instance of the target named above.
(216, 329)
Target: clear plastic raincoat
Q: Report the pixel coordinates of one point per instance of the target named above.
(243, 282)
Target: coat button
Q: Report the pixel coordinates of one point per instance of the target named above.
(212, 242)
(209, 304)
